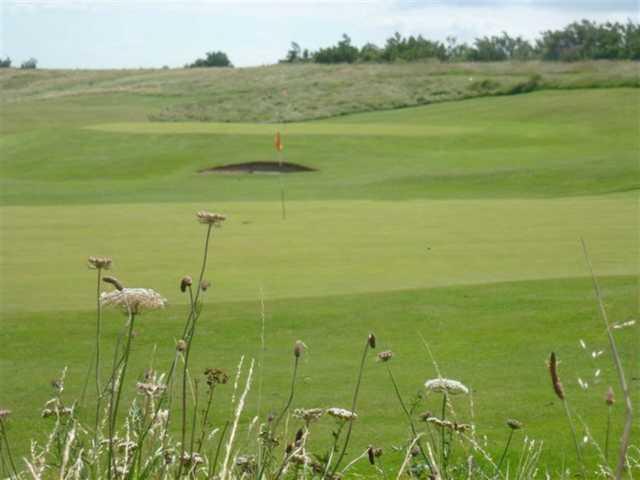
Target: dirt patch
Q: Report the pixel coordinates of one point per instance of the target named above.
(258, 167)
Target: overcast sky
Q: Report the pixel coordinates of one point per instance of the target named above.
(153, 33)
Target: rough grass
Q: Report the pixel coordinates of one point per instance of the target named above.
(302, 92)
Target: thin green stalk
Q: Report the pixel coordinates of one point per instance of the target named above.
(8, 448)
(213, 465)
(276, 422)
(574, 436)
(98, 334)
(442, 417)
(187, 334)
(205, 417)
(353, 409)
(118, 392)
(504, 453)
(626, 432)
(408, 415)
(606, 440)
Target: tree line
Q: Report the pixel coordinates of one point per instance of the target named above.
(27, 64)
(583, 40)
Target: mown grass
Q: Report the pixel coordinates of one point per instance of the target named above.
(460, 221)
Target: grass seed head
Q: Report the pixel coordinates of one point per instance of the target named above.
(372, 340)
(113, 281)
(216, 376)
(555, 379)
(181, 345)
(204, 285)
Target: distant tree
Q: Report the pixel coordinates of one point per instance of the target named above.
(32, 63)
(6, 63)
(343, 52)
(294, 54)
(370, 53)
(212, 59)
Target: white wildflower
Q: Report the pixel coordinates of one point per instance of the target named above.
(342, 414)
(134, 299)
(583, 385)
(583, 345)
(597, 373)
(445, 385)
(597, 354)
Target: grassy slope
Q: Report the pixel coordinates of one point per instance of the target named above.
(473, 192)
(302, 92)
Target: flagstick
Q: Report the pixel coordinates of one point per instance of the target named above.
(284, 211)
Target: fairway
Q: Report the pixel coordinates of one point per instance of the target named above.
(458, 222)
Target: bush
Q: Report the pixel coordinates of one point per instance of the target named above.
(212, 59)
(32, 63)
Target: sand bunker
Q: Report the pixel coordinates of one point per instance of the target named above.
(258, 167)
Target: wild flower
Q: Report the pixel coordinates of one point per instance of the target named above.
(446, 385)
(4, 413)
(99, 263)
(298, 348)
(209, 218)
(514, 424)
(342, 413)
(308, 414)
(134, 300)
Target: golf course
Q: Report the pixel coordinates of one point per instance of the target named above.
(445, 215)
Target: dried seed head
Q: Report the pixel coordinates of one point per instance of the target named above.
(514, 424)
(181, 346)
(114, 281)
(4, 413)
(308, 414)
(289, 448)
(373, 453)
(609, 398)
(555, 380)
(99, 263)
(216, 376)
(385, 356)
(299, 435)
(204, 285)
(186, 282)
(298, 349)
(372, 340)
(209, 218)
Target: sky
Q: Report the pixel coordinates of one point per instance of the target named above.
(154, 33)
